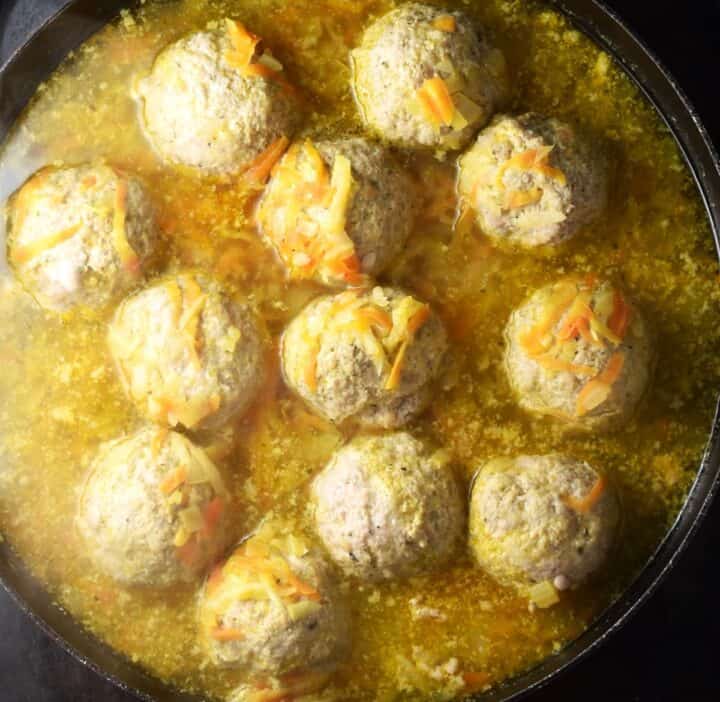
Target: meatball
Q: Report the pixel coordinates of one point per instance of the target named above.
(369, 356)
(272, 608)
(388, 507)
(537, 519)
(424, 78)
(215, 101)
(531, 180)
(186, 353)
(153, 510)
(580, 351)
(337, 211)
(80, 236)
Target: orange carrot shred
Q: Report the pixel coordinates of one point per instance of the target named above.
(173, 480)
(436, 101)
(445, 23)
(258, 171)
(244, 45)
(396, 371)
(584, 504)
(211, 516)
(23, 254)
(620, 316)
(475, 680)
(221, 634)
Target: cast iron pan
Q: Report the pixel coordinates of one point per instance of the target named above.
(42, 53)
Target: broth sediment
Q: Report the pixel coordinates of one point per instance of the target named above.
(60, 398)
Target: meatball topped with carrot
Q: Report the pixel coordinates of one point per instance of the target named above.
(187, 354)
(272, 608)
(337, 212)
(365, 356)
(580, 351)
(216, 100)
(532, 180)
(424, 77)
(542, 523)
(80, 236)
(153, 511)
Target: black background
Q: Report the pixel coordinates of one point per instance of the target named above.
(669, 650)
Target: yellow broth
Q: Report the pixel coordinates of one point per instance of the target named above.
(59, 397)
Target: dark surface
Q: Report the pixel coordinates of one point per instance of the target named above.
(668, 652)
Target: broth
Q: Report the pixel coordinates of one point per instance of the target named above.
(60, 398)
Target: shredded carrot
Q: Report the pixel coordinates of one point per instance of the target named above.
(532, 340)
(395, 375)
(418, 319)
(310, 370)
(348, 268)
(211, 516)
(244, 44)
(533, 160)
(613, 368)
(173, 480)
(128, 257)
(413, 326)
(376, 317)
(158, 441)
(303, 589)
(620, 317)
(258, 171)
(88, 182)
(260, 70)
(436, 101)
(584, 504)
(221, 634)
(445, 23)
(24, 254)
(475, 680)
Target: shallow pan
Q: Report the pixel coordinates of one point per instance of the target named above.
(78, 19)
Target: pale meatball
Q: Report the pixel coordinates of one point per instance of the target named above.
(578, 350)
(366, 356)
(388, 507)
(153, 510)
(186, 353)
(272, 608)
(531, 180)
(423, 77)
(536, 519)
(80, 236)
(215, 100)
(337, 211)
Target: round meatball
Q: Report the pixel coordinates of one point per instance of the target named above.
(272, 608)
(215, 100)
(580, 351)
(540, 519)
(153, 510)
(80, 236)
(388, 507)
(531, 180)
(186, 353)
(369, 356)
(337, 211)
(424, 78)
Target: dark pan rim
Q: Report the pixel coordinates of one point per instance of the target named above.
(605, 28)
